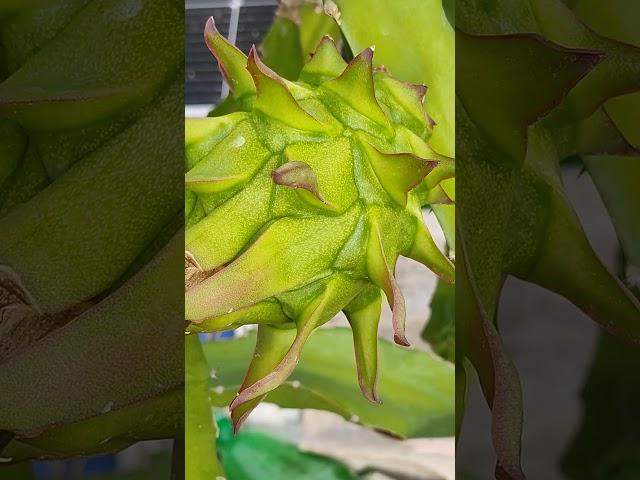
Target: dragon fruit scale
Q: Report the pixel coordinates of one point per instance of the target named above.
(299, 205)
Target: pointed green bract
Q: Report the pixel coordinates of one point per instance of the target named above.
(425, 251)
(442, 171)
(301, 176)
(438, 196)
(299, 208)
(232, 61)
(564, 252)
(382, 276)
(267, 312)
(414, 386)
(201, 134)
(214, 173)
(399, 173)
(275, 100)
(415, 41)
(271, 347)
(406, 102)
(355, 87)
(325, 64)
(336, 292)
(363, 315)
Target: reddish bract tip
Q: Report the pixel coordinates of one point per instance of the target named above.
(400, 339)
(421, 90)
(253, 58)
(210, 30)
(238, 422)
(256, 66)
(366, 55)
(298, 175)
(370, 395)
(326, 39)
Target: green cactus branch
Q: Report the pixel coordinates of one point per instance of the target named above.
(554, 74)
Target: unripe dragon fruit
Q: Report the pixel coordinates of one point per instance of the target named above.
(298, 207)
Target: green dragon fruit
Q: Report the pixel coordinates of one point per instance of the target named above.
(298, 207)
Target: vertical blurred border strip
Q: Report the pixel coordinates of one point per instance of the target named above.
(91, 227)
(536, 85)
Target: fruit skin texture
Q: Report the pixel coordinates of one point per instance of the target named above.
(299, 207)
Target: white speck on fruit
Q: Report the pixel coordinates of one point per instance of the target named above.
(238, 142)
(355, 418)
(296, 384)
(219, 390)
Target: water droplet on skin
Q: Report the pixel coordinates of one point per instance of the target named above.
(125, 10)
(296, 384)
(238, 142)
(355, 418)
(213, 374)
(219, 390)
